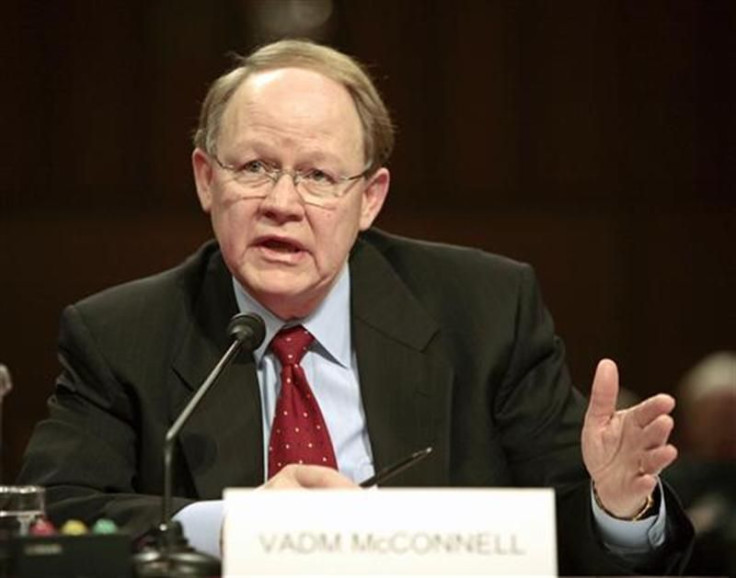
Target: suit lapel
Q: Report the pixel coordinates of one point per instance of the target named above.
(404, 378)
(222, 441)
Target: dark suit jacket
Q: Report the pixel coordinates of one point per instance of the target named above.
(455, 350)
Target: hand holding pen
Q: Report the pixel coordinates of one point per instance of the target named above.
(396, 468)
(320, 477)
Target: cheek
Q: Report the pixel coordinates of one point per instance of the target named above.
(230, 224)
(334, 237)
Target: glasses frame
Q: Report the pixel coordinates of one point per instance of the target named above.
(275, 175)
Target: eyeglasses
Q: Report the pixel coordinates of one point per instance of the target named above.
(315, 186)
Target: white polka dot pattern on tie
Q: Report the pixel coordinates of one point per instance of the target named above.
(298, 433)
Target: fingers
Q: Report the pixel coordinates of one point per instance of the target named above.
(657, 454)
(296, 476)
(604, 391)
(657, 432)
(321, 477)
(653, 461)
(651, 408)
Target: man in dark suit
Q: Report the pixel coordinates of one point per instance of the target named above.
(415, 345)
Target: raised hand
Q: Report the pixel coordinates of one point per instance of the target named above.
(625, 450)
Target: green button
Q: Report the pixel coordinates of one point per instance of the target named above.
(104, 526)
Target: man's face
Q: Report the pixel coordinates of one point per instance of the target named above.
(285, 252)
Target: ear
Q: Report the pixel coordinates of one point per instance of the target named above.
(202, 168)
(374, 196)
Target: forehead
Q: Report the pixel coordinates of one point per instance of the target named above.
(292, 105)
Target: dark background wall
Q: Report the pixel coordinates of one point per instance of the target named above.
(594, 139)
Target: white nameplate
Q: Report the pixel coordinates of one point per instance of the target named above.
(432, 532)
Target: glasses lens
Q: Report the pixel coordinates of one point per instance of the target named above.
(250, 179)
(318, 189)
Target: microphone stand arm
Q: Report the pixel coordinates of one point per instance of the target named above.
(174, 430)
(172, 557)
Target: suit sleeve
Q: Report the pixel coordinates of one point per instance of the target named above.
(540, 416)
(86, 453)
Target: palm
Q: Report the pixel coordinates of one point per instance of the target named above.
(624, 450)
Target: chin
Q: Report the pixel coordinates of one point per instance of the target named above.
(285, 299)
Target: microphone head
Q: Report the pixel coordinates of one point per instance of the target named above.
(248, 328)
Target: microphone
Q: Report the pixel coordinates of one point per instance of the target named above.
(173, 556)
(249, 329)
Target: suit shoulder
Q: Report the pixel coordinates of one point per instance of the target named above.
(429, 259)
(158, 292)
(474, 296)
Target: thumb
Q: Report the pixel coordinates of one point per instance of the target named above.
(604, 391)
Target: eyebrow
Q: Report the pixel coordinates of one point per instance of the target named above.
(269, 153)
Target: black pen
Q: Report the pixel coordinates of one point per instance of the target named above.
(396, 468)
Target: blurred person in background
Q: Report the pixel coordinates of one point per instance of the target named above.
(705, 474)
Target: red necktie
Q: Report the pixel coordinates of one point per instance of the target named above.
(298, 432)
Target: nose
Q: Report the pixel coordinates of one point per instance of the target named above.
(283, 202)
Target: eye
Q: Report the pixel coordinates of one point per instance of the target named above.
(319, 177)
(256, 167)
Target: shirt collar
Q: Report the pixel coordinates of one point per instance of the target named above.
(329, 323)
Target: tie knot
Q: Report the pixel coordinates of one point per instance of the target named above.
(291, 344)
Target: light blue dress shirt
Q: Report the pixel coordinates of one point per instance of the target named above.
(332, 371)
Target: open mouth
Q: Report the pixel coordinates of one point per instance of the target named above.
(281, 246)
